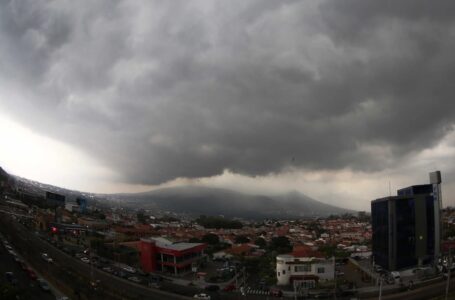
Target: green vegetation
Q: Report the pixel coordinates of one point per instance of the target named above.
(213, 243)
(211, 239)
(141, 217)
(118, 253)
(261, 243)
(10, 292)
(241, 239)
(218, 222)
(330, 250)
(280, 244)
(168, 219)
(264, 266)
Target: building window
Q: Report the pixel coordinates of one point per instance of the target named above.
(284, 272)
(321, 270)
(302, 268)
(309, 284)
(289, 268)
(278, 273)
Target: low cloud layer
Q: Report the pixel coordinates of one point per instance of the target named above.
(159, 90)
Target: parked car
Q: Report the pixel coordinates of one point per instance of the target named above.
(23, 265)
(134, 279)
(108, 269)
(339, 273)
(276, 292)
(155, 284)
(85, 260)
(212, 288)
(129, 269)
(43, 285)
(120, 274)
(31, 274)
(396, 276)
(202, 296)
(156, 278)
(46, 257)
(11, 278)
(228, 288)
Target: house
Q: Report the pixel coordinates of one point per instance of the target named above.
(304, 266)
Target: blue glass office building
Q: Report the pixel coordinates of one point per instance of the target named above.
(406, 227)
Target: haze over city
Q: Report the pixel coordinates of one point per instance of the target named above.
(335, 99)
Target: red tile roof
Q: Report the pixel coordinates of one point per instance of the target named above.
(305, 251)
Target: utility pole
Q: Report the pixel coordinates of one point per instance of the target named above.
(295, 290)
(380, 288)
(335, 273)
(449, 267)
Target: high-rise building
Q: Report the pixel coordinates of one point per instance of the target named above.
(406, 227)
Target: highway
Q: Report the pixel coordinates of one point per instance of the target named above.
(73, 277)
(423, 293)
(28, 288)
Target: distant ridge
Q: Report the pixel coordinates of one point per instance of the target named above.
(196, 200)
(215, 201)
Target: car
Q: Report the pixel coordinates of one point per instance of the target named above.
(23, 265)
(129, 269)
(120, 274)
(44, 285)
(323, 295)
(79, 255)
(108, 270)
(155, 285)
(396, 276)
(202, 296)
(339, 273)
(229, 288)
(85, 260)
(31, 274)
(104, 260)
(46, 257)
(276, 292)
(212, 288)
(11, 278)
(157, 278)
(134, 279)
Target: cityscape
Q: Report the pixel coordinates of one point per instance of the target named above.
(78, 246)
(241, 149)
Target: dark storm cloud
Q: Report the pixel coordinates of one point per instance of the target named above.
(167, 89)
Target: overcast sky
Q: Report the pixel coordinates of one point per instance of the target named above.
(331, 98)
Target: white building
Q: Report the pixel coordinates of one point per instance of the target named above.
(72, 207)
(305, 268)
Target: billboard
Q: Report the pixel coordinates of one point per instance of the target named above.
(55, 199)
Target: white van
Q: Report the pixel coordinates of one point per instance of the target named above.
(396, 276)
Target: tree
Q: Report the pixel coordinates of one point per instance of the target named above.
(281, 244)
(211, 239)
(241, 239)
(260, 242)
(218, 222)
(141, 217)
